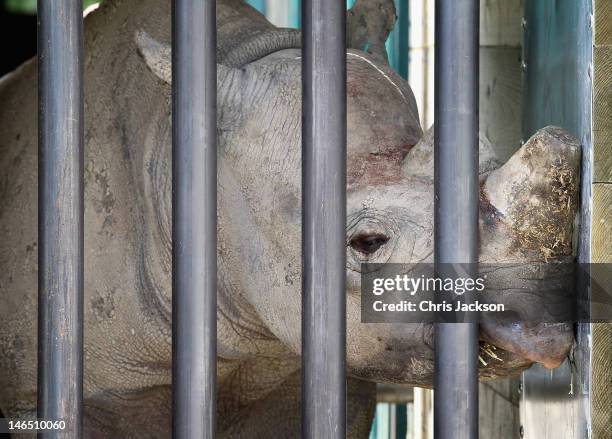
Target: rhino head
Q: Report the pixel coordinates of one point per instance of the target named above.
(528, 207)
(527, 212)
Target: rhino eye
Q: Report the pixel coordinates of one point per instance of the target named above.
(368, 244)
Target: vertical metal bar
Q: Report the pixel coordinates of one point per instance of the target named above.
(60, 215)
(324, 219)
(194, 218)
(456, 208)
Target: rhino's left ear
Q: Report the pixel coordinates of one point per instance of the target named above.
(158, 57)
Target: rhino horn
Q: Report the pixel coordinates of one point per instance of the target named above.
(536, 192)
(420, 160)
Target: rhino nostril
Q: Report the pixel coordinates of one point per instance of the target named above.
(368, 244)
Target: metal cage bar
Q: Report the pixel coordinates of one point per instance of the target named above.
(456, 208)
(324, 219)
(60, 215)
(194, 218)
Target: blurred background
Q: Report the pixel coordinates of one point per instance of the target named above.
(18, 31)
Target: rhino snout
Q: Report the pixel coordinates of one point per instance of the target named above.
(544, 343)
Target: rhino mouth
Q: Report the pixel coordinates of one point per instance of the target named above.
(488, 352)
(496, 362)
(544, 343)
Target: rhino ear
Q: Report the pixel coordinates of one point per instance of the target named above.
(368, 25)
(158, 57)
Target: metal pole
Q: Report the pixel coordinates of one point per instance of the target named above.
(456, 208)
(60, 215)
(324, 219)
(194, 218)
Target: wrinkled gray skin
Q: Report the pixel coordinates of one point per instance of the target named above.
(527, 212)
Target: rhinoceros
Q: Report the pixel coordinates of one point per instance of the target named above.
(528, 207)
